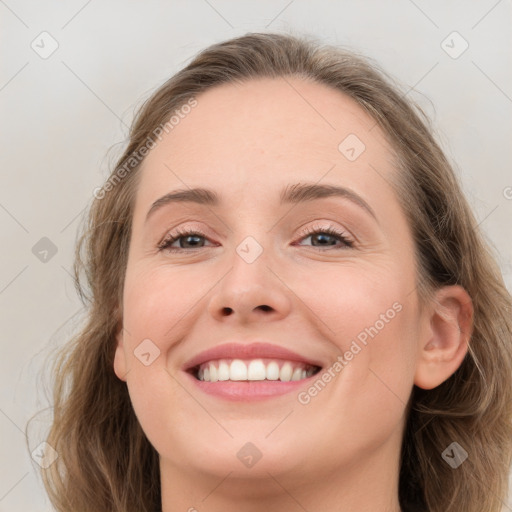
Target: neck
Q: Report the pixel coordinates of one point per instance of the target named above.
(356, 487)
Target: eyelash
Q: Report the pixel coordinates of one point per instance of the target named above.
(166, 243)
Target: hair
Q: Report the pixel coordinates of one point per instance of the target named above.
(106, 463)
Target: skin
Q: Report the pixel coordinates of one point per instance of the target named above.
(341, 450)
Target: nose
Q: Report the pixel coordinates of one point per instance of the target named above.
(250, 292)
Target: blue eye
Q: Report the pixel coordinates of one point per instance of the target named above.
(189, 239)
(326, 237)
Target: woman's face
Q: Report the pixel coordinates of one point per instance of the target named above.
(262, 273)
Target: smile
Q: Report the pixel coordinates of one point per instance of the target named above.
(253, 370)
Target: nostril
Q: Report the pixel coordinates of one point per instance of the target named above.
(265, 307)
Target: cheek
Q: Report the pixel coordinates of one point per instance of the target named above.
(156, 303)
(352, 301)
(154, 309)
(370, 317)
(366, 400)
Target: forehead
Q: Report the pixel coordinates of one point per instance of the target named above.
(263, 134)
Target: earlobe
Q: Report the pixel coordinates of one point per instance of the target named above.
(120, 366)
(445, 344)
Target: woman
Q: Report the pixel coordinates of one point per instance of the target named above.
(291, 306)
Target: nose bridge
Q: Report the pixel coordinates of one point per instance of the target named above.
(250, 289)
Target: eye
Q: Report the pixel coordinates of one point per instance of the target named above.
(193, 239)
(326, 237)
(187, 239)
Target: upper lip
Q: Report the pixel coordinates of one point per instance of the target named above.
(248, 351)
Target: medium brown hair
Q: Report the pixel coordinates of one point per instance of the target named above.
(106, 463)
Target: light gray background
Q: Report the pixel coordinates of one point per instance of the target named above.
(60, 116)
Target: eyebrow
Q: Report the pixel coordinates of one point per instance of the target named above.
(294, 194)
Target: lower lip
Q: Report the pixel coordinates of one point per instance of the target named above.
(249, 390)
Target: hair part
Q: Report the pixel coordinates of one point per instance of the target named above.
(106, 463)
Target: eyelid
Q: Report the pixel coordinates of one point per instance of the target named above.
(179, 232)
(174, 235)
(331, 229)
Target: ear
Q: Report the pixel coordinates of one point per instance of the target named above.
(445, 343)
(120, 363)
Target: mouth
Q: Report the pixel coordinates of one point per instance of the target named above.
(253, 370)
(246, 372)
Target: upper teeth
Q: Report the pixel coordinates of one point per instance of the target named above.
(256, 369)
